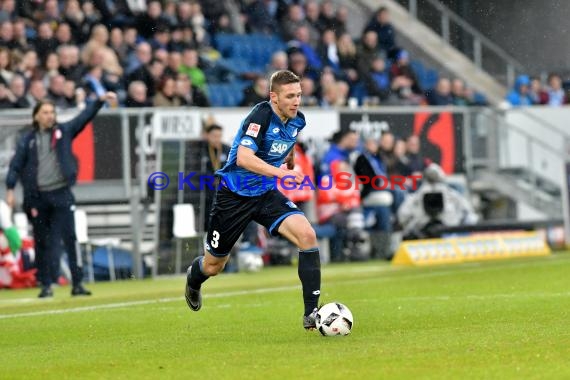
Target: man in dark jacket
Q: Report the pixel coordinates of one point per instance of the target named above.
(46, 167)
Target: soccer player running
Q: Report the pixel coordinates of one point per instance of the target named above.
(247, 192)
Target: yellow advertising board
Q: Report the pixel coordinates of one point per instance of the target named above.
(501, 245)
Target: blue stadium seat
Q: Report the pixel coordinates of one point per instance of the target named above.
(226, 94)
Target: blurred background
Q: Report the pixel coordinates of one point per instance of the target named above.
(470, 95)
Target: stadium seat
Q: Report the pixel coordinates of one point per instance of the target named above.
(183, 227)
(81, 233)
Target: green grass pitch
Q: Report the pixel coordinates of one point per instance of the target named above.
(494, 320)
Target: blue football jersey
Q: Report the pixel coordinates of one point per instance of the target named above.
(271, 140)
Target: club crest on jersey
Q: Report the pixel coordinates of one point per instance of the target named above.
(253, 129)
(278, 148)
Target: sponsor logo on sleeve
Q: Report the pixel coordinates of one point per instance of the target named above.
(253, 130)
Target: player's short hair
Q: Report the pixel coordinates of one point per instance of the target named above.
(282, 77)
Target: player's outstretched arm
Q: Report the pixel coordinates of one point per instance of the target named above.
(77, 124)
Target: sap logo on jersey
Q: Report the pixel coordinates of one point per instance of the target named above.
(278, 148)
(246, 142)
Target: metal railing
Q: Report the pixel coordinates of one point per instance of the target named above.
(485, 54)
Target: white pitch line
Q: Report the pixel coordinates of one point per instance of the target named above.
(144, 302)
(467, 268)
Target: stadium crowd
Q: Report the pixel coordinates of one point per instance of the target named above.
(163, 53)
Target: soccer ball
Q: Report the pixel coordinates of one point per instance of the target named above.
(334, 319)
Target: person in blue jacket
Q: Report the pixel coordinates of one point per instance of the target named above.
(45, 165)
(520, 95)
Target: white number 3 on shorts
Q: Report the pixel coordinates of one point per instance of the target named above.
(215, 238)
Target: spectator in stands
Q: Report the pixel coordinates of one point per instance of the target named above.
(45, 43)
(334, 203)
(308, 96)
(292, 21)
(301, 42)
(376, 202)
(28, 65)
(334, 94)
(554, 94)
(137, 95)
(7, 35)
(222, 25)
(177, 43)
(75, 96)
(56, 93)
(51, 67)
(6, 72)
(401, 167)
(160, 38)
(147, 23)
(536, 91)
(190, 94)
(405, 84)
(162, 56)
(459, 93)
(93, 82)
(20, 35)
(520, 95)
(377, 80)
(69, 65)
(169, 13)
(6, 97)
(441, 94)
(47, 174)
(190, 67)
(328, 51)
(63, 34)
(150, 74)
(51, 12)
(298, 65)
(142, 57)
(166, 94)
(386, 152)
(199, 26)
(348, 58)
(260, 16)
(97, 44)
(119, 46)
(173, 63)
(213, 10)
(413, 157)
(18, 89)
(256, 93)
(74, 16)
(380, 24)
(312, 13)
(8, 11)
(341, 20)
(279, 61)
(367, 50)
(215, 153)
(36, 92)
(327, 17)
